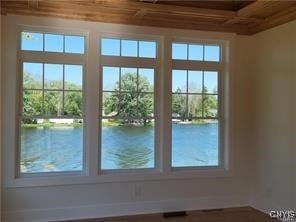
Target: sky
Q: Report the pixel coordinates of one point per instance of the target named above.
(111, 75)
(124, 47)
(52, 43)
(195, 81)
(54, 72)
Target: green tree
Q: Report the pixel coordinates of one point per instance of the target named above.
(53, 103)
(194, 106)
(73, 103)
(32, 99)
(179, 104)
(133, 102)
(34, 105)
(210, 104)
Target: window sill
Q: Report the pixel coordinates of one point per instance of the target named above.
(58, 179)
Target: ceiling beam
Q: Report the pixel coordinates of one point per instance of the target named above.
(167, 9)
(279, 18)
(255, 7)
(33, 3)
(244, 20)
(141, 13)
(153, 1)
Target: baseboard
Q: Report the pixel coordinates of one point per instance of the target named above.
(123, 209)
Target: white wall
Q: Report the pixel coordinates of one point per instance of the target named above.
(0, 118)
(274, 127)
(104, 199)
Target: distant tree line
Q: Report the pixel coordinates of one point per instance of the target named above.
(131, 102)
(188, 106)
(37, 102)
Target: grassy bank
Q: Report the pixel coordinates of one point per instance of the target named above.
(47, 125)
(104, 124)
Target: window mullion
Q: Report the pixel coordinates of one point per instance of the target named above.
(92, 135)
(165, 108)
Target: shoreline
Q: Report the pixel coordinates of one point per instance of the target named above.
(110, 124)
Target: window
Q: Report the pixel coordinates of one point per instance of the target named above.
(127, 109)
(128, 48)
(195, 107)
(49, 42)
(51, 109)
(196, 52)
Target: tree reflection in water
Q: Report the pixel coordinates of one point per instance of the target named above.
(131, 157)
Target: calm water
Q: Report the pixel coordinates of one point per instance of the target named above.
(123, 147)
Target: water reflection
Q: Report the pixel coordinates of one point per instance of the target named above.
(125, 147)
(48, 149)
(131, 157)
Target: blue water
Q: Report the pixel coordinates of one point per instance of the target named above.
(195, 145)
(123, 147)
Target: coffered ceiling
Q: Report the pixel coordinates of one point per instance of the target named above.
(242, 17)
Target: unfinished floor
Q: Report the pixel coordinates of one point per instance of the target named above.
(242, 214)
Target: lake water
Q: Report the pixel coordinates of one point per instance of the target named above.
(123, 147)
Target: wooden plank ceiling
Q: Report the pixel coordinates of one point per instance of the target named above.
(241, 17)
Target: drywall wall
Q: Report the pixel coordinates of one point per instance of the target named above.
(105, 199)
(273, 113)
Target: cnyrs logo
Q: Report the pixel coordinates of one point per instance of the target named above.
(283, 215)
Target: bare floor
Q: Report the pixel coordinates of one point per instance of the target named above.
(243, 214)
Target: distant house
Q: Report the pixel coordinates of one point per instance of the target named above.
(58, 121)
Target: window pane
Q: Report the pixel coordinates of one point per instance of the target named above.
(73, 77)
(179, 80)
(196, 52)
(145, 107)
(54, 43)
(194, 81)
(53, 76)
(74, 44)
(51, 145)
(32, 102)
(129, 80)
(179, 51)
(194, 106)
(195, 144)
(32, 41)
(53, 103)
(110, 78)
(111, 47)
(73, 103)
(211, 82)
(212, 53)
(146, 80)
(210, 104)
(125, 104)
(129, 48)
(110, 104)
(32, 75)
(179, 109)
(147, 49)
(126, 145)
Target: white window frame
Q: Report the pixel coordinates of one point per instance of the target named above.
(131, 62)
(92, 63)
(219, 67)
(44, 57)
